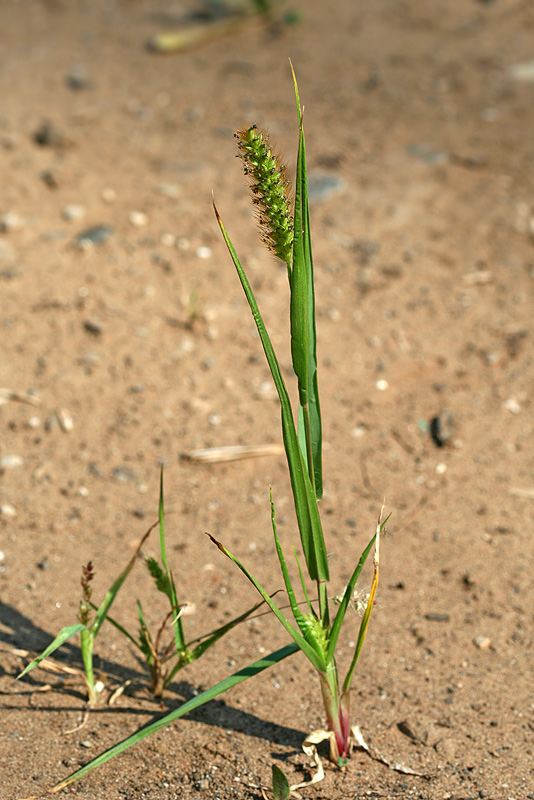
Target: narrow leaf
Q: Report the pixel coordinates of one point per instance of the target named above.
(179, 636)
(368, 611)
(342, 610)
(308, 626)
(120, 628)
(309, 522)
(208, 640)
(303, 330)
(107, 602)
(297, 637)
(63, 635)
(145, 640)
(228, 683)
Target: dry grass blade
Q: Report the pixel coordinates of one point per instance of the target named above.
(50, 666)
(526, 494)
(359, 741)
(7, 394)
(217, 455)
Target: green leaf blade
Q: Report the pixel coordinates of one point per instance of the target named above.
(303, 329)
(64, 634)
(297, 637)
(305, 500)
(223, 686)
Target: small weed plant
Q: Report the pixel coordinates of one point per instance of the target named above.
(317, 620)
(162, 661)
(90, 621)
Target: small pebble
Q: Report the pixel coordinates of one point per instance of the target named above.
(441, 428)
(203, 252)
(168, 239)
(512, 405)
(51, 424)
(8, 510)
(49, 135)
(187, 345)
(11, 222)
(94, 326)
(171, 190)
(33, 422)
(86, 744)
(65, 420)
(138, 219)
(94, 236)
(78, 79)
(44, 564)
(109, 195)
(2, 555)
(10, 461)
(358, 432)
(123, 474)
(441, 469)
(382, 385)
(522, 71)
(436, 616)
(482, 642)
(50, 178)
(214, 419)
(427, 154)
(74, 211)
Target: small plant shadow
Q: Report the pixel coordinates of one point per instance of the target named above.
(18, 631)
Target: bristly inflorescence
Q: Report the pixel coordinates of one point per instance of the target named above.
(85, 603)
(270, 189)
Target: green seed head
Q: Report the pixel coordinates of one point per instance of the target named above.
(269, 186)
(315, 633)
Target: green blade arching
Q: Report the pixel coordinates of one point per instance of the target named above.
(309, 522)
(228, 683)
(146, 644)
(297, 613)
(342, 610)
(347, 594)
(207, 641)
(61, 638)
(120, 628)
(179, 636)
(369, 608)
(295, 634)
(108, 600)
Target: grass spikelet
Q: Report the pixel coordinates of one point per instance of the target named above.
(269, 186)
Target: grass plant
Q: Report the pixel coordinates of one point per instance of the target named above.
(89, 625)
(286, 231)
(163, 661)
(314, 631)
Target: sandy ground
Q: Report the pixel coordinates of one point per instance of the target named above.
(128, 354)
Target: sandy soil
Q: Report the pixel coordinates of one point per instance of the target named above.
(143, 346)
